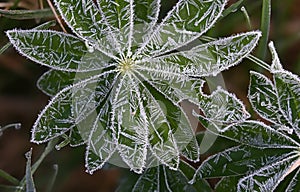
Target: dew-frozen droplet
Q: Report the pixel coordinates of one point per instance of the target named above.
(18, 126)
(89, 47)
(57, 147)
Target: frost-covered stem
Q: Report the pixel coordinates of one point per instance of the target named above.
(50, 146)
(9, 178)
(5, 47)
(56, 16)
(243, 9)
(52, 180)
(14, 125)
(259, 62)
(265, 28)
(232, 8)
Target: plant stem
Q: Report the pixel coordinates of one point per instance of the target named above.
(50, 146)
(56, 16)
(52, 180)
(14, 125)
(243, 9)
(259, 62)
(265, 28)
(9, 178)
(232, 8)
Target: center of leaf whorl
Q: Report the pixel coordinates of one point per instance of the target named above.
(126, 65)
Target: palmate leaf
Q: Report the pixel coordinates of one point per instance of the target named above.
(276, 145)
(117, 83)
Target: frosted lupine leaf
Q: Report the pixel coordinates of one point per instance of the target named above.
(294, 184)
(57, 117)
(181, 127)
(101, 142)
(131, 123)
(213, 57)
(288, 90)
(263, 97)
(178, 122)
(276, 64)
(162, 179)
(185, 22)
(57, 50)
(239, 160)
(256, 134)
(169, 80)
(161, 139)
(277, 101)
(89, 23)
(54, 81)
(290, 182)
(146, 14)
(267, 178)
(222, 108)
(220, 144)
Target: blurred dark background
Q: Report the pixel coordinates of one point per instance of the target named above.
(21, 101)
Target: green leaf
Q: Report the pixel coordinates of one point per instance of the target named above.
(57, 50)
(131, 119)
(89, 22)
(290, 182)
(58, 116)
(186, 21)
(257, 134)
(288, 90)
(26, 14)
(268, 178)
(170, 81)
(213, 57)
(54, 81)
(181, 128)
(263, 97)
(222, 108)
(163, 143)
(239, 160)
(220, 144)
(235, 6)
(45, 25)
